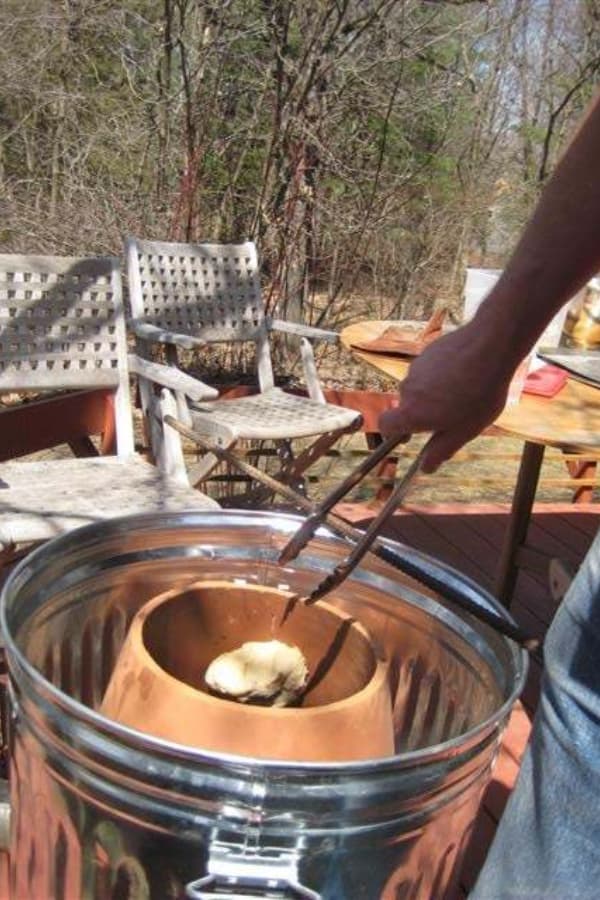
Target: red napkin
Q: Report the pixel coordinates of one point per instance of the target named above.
(545, 381)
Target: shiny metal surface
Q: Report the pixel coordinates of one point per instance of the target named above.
(119, 814)
(362, 546)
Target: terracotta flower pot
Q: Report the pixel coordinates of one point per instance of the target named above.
(158, 685)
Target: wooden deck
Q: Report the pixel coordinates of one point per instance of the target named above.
(469, 538)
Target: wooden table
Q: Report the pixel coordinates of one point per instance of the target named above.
(569, 421)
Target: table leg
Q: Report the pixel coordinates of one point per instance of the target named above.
(518, 523)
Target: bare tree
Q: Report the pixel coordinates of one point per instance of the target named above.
(372, 148)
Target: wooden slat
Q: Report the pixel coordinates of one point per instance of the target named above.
(568, 524)
(41, 424)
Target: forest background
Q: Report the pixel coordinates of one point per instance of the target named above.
(372, 148)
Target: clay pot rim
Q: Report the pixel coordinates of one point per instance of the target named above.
(140, 619)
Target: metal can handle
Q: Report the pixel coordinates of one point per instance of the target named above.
(235, 876)
(212, 888)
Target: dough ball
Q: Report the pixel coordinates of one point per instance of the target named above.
(259, 670)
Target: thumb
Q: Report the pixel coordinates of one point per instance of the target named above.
(398, 421)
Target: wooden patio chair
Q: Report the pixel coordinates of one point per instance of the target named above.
(62, 328)
(187, 296)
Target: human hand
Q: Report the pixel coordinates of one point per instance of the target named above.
(455, 388)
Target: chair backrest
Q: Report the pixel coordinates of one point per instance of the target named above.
(209, 290)
(62, 326)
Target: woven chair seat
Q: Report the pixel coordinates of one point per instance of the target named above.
(39, 500)
(273, 414)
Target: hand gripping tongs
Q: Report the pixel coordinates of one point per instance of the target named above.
(302, 536)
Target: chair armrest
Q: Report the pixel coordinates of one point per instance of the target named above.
(148, 332)
(166, 431)
(311, 377)
(307, 334)
(306, 331)
(172, 378)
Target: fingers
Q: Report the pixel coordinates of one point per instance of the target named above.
(441, 447)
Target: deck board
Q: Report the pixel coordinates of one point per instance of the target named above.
(469, 537)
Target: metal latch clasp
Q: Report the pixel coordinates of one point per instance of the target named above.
(235, 876)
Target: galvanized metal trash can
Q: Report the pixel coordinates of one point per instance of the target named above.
(100, 811)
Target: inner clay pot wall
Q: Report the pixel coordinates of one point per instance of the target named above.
(158, 683)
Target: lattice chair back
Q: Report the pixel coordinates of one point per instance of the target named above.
(62, 326)
(208, 291)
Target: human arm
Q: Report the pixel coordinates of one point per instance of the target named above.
(458, 385)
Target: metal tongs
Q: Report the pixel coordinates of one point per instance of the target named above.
(413, 564)
(302, 536)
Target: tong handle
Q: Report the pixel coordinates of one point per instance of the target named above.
(302, 536)
(343, 569)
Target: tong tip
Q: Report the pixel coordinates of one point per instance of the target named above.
(299, 540)
(327, 584)
(287, 554)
